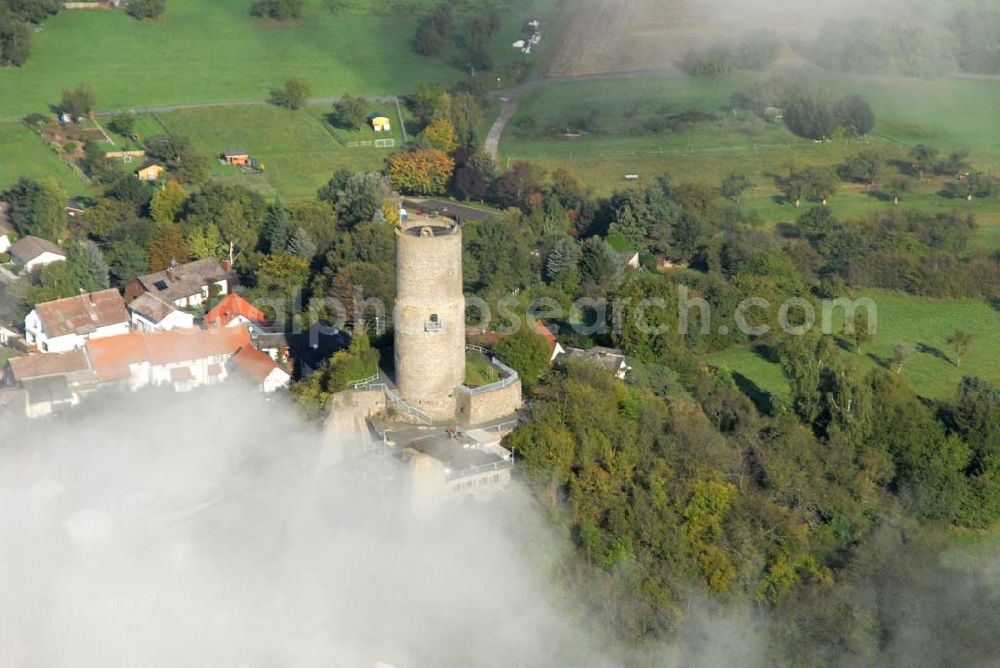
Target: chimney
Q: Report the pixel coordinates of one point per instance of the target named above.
(227, 266)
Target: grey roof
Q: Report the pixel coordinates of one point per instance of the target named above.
(30, 247)
(42, 365)
(234, 152)
(151, 307)
(5, 226)
(148, 163)
(607, 358)
(183, 280)
(54, 389)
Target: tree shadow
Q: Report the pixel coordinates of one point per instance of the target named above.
(761, 399)
(904, 167)
(880, 195)
(766, 353)
(884, 362)
(926, 349)
(845, 344)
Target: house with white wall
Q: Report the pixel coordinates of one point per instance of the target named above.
(151, 314)
(259, 369)
(66, 324)
(6, 229)
(183, 285)
(32, 253)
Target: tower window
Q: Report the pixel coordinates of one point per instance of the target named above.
(433, 323)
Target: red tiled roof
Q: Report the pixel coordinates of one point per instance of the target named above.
(231, 307)
(82, 314)
(111, 356)
(550, 338)
(253, 363)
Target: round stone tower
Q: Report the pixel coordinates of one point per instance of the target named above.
(429, 315)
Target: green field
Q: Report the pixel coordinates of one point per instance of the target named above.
(924, 324)
(296, 148)
(23, 153)
(948, 113)
(215, 51)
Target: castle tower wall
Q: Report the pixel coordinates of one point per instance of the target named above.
(429, 316)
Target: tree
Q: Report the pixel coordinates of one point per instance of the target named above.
(280, 273)
(924, 159)
(517, 186)
(898, 187)
(820, 184)
(88, 265)
(810, 117)
(361, 198)
(37, 208)
(901, 354)
(350, 112)
(146, 9)
(15, 43)
(168, 202)
(78, 102)
(734, 185)
(423, 172)
(862, 332)
(477, 39)
(435, 29)
(600, 268)
(862, 167)
(474, 174)
(280, 10)
(854, 114)
(440, 134)
(793, 186)
(167, 246)
(292, 95)
(127, 260)
(177, 152)
(122, 123)
(301, 245)
(527, 352)
(132, 190)
(205, 242)
(960, 341)
(276, 230)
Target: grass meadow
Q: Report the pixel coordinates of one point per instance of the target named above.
(215, 51)
(924, 324)
(947, 113)
(23, 153)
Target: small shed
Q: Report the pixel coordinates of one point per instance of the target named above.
(236, 157)
(380, 122)
(151, 170)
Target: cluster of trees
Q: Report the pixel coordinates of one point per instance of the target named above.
(17, 21)
(756, 51)
(676, 483)
(473, 33)
(864, 45)
(279, 10)
(146, 9)
(807, 112)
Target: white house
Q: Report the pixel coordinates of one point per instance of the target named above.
(33, 252)
(611, 359)
(260, 369)
(152, 314)
(66, 324)
(183, 285)
(50, 381)
(6, 229)
(180, 358)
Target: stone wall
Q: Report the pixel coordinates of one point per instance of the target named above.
(490, 406)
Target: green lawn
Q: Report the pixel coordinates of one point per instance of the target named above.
(298, 152)
(215, 51)
(23, 153)
(948, 113)
(924, 324)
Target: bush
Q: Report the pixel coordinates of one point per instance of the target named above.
(280, 10)
(146, 9)
(292, 95)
